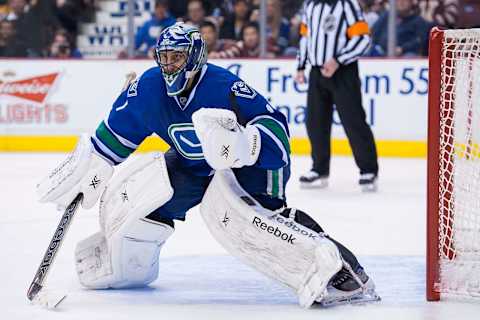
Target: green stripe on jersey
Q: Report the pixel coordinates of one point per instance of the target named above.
(275, 182)
(111, 142)
(277, 130)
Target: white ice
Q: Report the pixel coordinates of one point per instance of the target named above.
(199, 280)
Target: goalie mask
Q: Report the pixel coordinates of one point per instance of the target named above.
(180, 53)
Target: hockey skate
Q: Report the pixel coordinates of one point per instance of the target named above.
(368, 182)
(313, 179)
(347, 288)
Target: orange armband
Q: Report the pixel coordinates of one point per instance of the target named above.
(359, 28)
(303, 29)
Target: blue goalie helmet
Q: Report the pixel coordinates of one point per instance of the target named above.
(180, 53)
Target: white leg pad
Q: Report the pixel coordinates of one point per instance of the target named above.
(121, 262)
(125, 253)
(276, 246)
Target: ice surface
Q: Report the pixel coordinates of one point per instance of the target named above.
(198, 280)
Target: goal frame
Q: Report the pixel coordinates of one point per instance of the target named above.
(433, 162)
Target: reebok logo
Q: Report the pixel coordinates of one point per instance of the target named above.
(295, 227)
(254, 145)
(273, 230)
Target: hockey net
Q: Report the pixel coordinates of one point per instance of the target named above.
(453, 226)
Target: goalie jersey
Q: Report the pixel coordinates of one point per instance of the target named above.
(144, 108)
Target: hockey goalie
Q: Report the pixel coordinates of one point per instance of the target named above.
(229, 152)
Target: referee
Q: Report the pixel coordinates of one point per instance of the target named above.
(334, 34)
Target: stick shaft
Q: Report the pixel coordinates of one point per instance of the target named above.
(55, 243)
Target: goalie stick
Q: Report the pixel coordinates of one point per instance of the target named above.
(48, 258)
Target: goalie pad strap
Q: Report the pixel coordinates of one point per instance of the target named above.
(274, 245)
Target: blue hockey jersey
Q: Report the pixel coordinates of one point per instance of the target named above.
(145, 108)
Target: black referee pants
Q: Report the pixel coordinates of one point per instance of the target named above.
(343, 90)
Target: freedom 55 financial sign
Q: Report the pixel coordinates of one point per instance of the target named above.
(394, 98)
(60, 99)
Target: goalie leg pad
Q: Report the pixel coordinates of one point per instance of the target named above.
(273, 244)
(121, 262)
(125, 252)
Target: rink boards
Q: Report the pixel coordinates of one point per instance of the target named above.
(46, 104)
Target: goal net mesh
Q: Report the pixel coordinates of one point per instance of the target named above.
(459, 176)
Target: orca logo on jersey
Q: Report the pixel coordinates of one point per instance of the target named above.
(275, 231)
(241, 89)
(186, 141)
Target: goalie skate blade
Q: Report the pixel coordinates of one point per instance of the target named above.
(360, 298)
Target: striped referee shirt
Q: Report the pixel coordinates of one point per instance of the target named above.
(332, 29)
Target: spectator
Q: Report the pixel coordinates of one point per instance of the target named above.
(17, 9)
(278, 28)
(34, 25)
(223, 48)
(177, 8)
(290, 8)
(442, 13)
(147, 35)
(3, 9)
(9, 45)
(61, 46)
(295, 22)
(469, 16)
(6, 33)
(372, 10)
(67, 11)
(412, 32)
(88, 9)
(70, 12)
(222, 7)
(250, 44)
(232, 26)
(195, 13)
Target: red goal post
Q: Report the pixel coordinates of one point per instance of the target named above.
(453, 171)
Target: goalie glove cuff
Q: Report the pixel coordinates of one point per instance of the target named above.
(83, 171)
(249, 147)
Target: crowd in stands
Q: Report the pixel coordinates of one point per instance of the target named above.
(41, 28)
(48, 28)
(230, 27)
